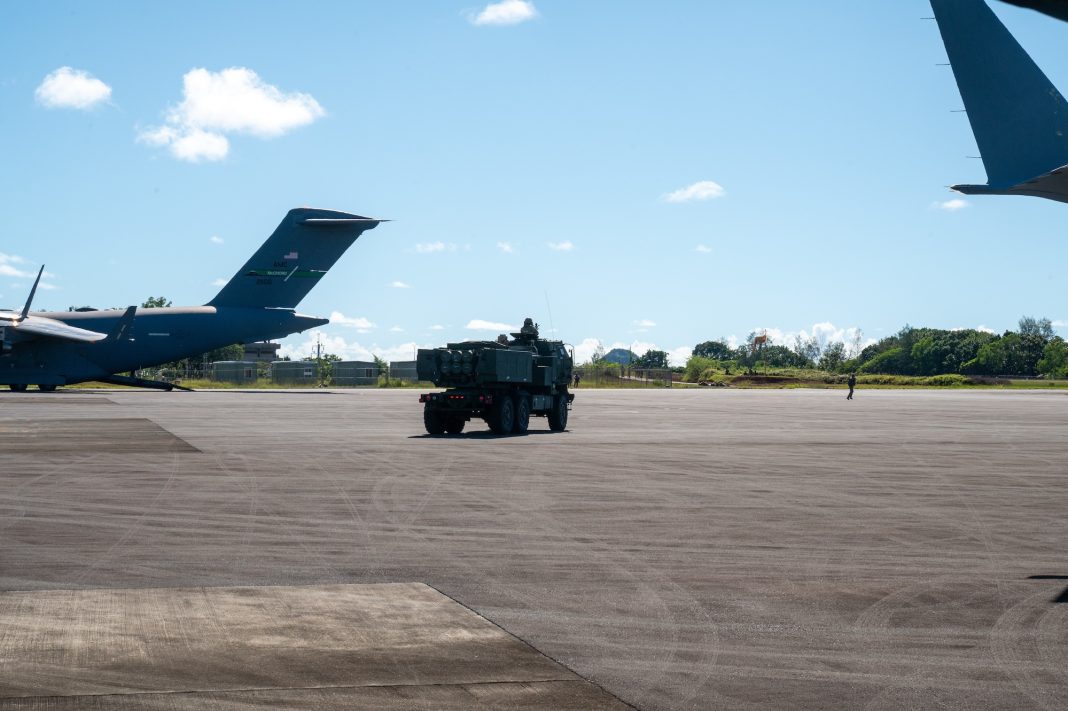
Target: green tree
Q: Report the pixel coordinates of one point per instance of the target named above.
(156, 302)
(699, 368)
(1041, 327)
(383, 367)
(1054, 362)
(833, 356)
(326, 367)
(717, 350)
(652, 359)
(235, 351)
(807, 349)
(893, 361)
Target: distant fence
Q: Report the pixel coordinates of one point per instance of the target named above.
(613, 376)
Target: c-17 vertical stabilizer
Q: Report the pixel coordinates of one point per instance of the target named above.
(1020, 120)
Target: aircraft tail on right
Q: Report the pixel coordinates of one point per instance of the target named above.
(1020, 120)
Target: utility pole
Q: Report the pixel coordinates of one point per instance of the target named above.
(319, 357)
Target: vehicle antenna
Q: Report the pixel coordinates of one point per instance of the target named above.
(550, 308)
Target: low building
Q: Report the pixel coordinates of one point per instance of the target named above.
(354, 372)
(403, 370)
(295, 372)
(234, 371)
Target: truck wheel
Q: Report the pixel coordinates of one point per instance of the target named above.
(558, 415)
(503, 418)
(433, 421)
(455, 424)
(17, 388)
(522, 415)
(47, 388)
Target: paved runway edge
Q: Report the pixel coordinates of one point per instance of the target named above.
(376, 646)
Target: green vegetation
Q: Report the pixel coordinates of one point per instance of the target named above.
(925, 357)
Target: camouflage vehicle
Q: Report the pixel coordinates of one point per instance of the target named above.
(504, 382)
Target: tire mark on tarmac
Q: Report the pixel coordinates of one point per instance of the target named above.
(15, 496)
(134, 526)
(611, 560)
(1035, 613)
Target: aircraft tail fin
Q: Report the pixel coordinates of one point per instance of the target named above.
(1019, 119)
(293, 259)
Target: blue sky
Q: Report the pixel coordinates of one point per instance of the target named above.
(528, 166)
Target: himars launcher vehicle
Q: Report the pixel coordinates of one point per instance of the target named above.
(504, 383)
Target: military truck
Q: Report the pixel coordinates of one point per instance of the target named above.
(504, 382)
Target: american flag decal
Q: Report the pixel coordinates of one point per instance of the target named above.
(291, 255)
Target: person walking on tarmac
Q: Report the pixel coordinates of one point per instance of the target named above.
(852, 382)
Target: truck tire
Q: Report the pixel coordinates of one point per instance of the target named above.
(17, 388)
(558, 415)
(433, 421)
(454, 424)
(502, 419)
(522, 415)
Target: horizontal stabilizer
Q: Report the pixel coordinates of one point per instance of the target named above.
(51, 328)
(293, 259)
(1052, 185)
(1019, 119)
(339, 220)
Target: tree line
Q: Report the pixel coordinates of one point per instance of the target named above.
(1031, 350)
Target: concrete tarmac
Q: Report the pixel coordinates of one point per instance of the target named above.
(678, 549)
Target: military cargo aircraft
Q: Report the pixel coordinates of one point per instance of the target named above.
(1053, 8)
(1019, 119)
(258, 303)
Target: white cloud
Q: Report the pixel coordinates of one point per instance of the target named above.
(952, 205)
(480, 325)
(584, 351)
(400, 285)
(703, 249)
(984, 329)
(396, 329)
(565, 246)
(701, 190)
(506, 12)
(679, 356)
(219, 282)
(358, 322)
(215, 239)
(338, 346)
(7, 268)
(506, 247)
(234, 101)
(644, 323)
(825, 333)
(431, 247)
(437, 327)
(68, 88)
(1059, 324)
